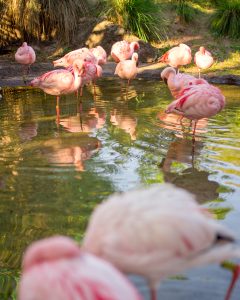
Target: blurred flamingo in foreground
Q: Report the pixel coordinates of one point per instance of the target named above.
(203, 59)
(26, 56)
(177, 82)
(157, 232)
(56, 269)
(197, 102)
(123, 50)
(177, 56)
(61, 81)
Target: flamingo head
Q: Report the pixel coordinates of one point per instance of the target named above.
(80, 66)
(24, 44)
(166, 72)
(202, 50)
(135, 57)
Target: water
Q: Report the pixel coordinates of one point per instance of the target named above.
(52, 176)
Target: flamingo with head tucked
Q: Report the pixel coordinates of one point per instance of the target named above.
(25, 56)
(100, 54)
(203, 59)
(61, 81)
(178, 82)
(197, 102)
(177, 56)
(56, 269)
(123, 50)
(157, 232)
(67, 60)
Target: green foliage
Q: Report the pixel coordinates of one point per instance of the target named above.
(140, 17)
(185, 11)
(44, 19)
(226, 19)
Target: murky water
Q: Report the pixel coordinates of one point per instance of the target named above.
(52, 176)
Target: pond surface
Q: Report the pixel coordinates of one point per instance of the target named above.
(53, 175)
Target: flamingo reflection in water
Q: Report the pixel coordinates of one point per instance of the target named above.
(71, 150)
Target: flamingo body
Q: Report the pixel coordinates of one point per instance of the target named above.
(199, 101)
(25, 55)
(82, 53)
(156, 232)
(127, 69)
(56, 269)
(203, 59)
(178, 82)
(177, 56)
(123, 50)
(100, 55)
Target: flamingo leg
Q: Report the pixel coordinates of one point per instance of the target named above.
(58, 111)
(235, 276)
(24, 74)
(199, 73)
(94, 89)
(127, 88)
(194, 130)
(154, 294)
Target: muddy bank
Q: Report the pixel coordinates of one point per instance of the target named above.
(10, 73)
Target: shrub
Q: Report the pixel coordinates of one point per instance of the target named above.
(185, 11)
(226, 19)
(140, 17)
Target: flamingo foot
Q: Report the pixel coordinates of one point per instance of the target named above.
(154, 294)
(236, 274)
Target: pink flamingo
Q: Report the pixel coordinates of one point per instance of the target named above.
(177, 56)
(197, 102)
(56, 269)
(177, 82)
(127, 69)
(25, 56)
(100, 55)
(203, 59)
(123, 50)
(157, 232)
(61, 81)
(82, 53)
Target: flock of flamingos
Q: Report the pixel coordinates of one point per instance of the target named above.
(154, 232)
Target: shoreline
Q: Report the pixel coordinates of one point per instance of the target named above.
(10, 73)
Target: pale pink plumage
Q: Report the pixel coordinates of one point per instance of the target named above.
(177, 56)
(123, 50)
(56, 269)
(203, 59)
(25, 55)
(177, 82)
(127, 69)
(82, 53)
(100, 55)
(157, 232)
(198, 101)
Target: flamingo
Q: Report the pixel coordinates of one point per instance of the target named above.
(177, 82)
(157, 232)
(67, 60)
(127, 69)
(25, 56)
(100, 54)
(123, 50)
(61, 81)
(55, 268)
(197, 102)
(177, 56)
(203, 59)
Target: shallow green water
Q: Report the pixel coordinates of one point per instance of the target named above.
(51, 177)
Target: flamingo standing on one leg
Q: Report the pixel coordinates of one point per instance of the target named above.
(26, 56)
(61, 81)
(67, 60)
(123, 50)
(177, 82)
(199, 101)
(56, 269)
(127, 69)
(203, 59)
(177, 56)
(157, 232)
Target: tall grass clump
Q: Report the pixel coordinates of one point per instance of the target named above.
(44, 19)
(185, 11)
(226, 19)
(140, 17)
